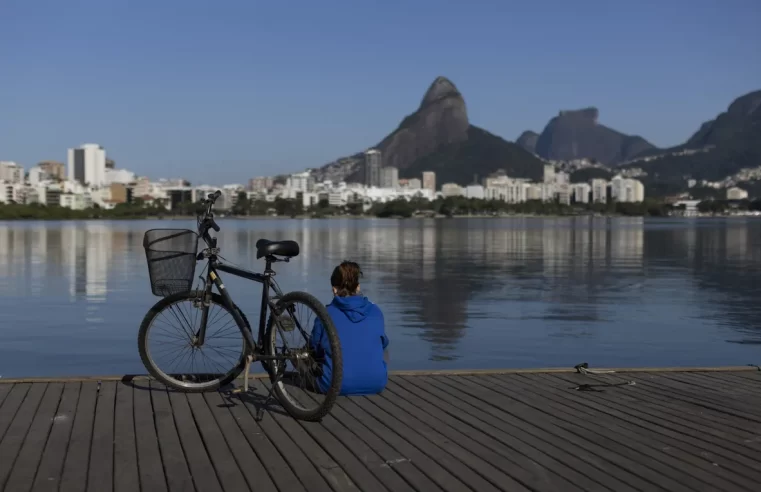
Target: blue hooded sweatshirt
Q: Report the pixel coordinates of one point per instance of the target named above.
(362, 334)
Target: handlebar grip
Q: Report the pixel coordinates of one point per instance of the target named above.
(214, 225)
(213, 196)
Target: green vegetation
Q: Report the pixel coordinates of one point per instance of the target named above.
(400, 208)
(721, 207)
(452, 206)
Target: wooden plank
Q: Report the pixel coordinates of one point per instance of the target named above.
(230, 476)
(377, 454)
(11, 404)
(309, 476)
(440, 466)
(355, 455)
(276, 465)
(696, 473)
(149, 462)
(680, 391)
(683, 413)
(747, 383)
(176, 469)
(711, 448)
(551, 474)
(535, 442)
(51, 465)
(199, 463)
(563, 450)
(606, 451)
(126, 474)
(100, 476)
(75, 467)
(252, 468)
(580, 406)
(333, 474)
(356, 472)
(489, 466)
(516, 465)
(720, 386)
(4, 390)
(25, 467)
(16, 432)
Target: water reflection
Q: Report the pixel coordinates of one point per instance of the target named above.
(456, 293)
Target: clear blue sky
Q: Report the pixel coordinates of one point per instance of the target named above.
(222, 91)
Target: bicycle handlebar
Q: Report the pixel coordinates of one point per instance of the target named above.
(206, 217)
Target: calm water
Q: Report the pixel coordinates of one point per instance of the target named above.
(456, 293)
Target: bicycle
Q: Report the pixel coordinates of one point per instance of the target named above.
(172, 255)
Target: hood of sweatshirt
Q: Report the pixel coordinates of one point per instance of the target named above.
(356, 308)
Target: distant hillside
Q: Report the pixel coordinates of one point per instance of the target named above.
(719, 148)
(577, 134)
(528, 140)
(438, 137)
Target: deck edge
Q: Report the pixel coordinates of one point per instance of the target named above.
(422, 372)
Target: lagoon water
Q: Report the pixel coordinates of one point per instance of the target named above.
(459, 293)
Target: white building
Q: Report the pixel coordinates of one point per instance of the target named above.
(300, 182)
(475, 191)
(76, 201)
(626, 190)
(10, 172)
(11, 192)
(429, 180)
(389, 177)
(121, 176)
(549, 173)
(736, 193)
(581, 192)
(87, 165)
(451, 189)
(599, 191)
(37, 175)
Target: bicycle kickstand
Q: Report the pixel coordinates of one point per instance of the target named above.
(260, 411)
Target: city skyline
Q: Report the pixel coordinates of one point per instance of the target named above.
(285, 94)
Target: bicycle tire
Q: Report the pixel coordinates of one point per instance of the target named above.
(330, 396)
(159, 374)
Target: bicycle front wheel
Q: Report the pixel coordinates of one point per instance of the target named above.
(307, 378)
(168, 348)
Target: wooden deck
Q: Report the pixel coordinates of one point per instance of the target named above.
(673, 431)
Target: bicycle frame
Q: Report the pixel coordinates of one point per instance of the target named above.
(255, 348)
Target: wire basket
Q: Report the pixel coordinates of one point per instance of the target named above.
(171, 255)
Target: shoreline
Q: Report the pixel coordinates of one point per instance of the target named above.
(366, 217)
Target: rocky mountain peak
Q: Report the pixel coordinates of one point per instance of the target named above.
(441, 88)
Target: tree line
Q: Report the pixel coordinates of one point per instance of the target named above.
(449, 206)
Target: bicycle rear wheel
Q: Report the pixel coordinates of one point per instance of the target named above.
(166, 344)
(306, 381)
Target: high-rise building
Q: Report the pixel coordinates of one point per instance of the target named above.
(54, 169)
(10, 172)
(87, 165)
(373, 165)
(429, 180)
(549, 173)
(389, 177)
(599, 190)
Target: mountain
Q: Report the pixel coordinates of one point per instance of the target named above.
(719, 148)
(527, 140)
(439, 137)
(576, 134)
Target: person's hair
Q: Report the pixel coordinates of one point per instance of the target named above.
(345, 278)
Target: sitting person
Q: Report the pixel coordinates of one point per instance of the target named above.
(360, 327)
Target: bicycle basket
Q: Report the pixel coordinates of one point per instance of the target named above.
(171, 255)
